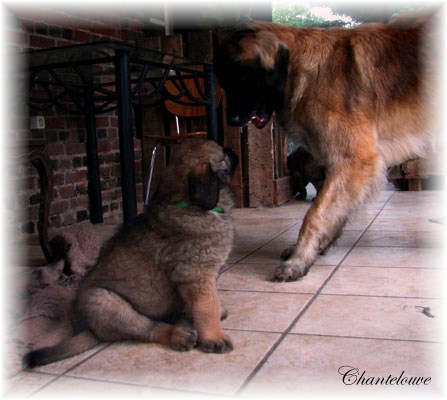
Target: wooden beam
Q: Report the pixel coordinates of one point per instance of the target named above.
(261, 166)
(282, 190)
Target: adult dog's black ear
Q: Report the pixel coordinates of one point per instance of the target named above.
(204, 187)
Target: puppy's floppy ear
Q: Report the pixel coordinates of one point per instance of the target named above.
(204, 187)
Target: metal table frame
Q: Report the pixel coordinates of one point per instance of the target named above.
(91, 79)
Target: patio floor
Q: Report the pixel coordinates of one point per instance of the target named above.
(362, 305)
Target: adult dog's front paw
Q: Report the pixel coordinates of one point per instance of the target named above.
(290, 270)
(219, 344)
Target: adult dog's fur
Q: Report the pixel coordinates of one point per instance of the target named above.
(359, 99)
(155, 280)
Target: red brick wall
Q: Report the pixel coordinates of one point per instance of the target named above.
(41, 28)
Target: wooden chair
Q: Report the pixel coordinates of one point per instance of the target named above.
(180, 112)
(35, 152)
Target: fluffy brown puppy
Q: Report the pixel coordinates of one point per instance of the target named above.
(357, 99)
(155, 280)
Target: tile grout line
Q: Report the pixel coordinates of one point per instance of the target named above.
(393, 267)
(233, 264)
(369, 338)
(331, 294)
(64, 374)
(305, 308)
(107, 345)
(339, 336)
(56, 377)
(107, 381)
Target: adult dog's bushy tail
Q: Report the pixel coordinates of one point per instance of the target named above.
(69, 347)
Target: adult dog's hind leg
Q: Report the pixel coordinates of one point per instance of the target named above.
(111, 318)
(346, 187)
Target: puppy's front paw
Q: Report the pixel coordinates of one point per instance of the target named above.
(220, 344)
(290, 270)
(183, 338)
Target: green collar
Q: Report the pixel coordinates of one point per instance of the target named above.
(219, 210)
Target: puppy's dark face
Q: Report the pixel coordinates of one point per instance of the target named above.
(197, 172)
(206, 181)
(252, 69)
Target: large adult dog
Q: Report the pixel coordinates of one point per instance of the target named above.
(359, 99)
(155, 281)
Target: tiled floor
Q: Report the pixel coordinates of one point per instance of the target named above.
(361, 305)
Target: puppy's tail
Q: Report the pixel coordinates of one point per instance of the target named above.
(69, 347)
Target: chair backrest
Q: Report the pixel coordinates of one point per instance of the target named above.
(183, 110)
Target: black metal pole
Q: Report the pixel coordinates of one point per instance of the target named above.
(42, 162)
(127, 156)
(91, 145)
(211, 108)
